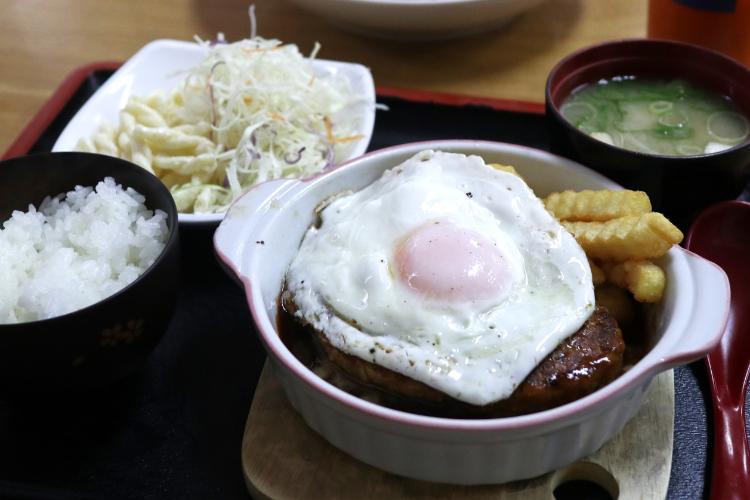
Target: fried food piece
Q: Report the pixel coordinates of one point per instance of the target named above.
(617, 301)
(633, 237)
(505, 168)
(598, 276)
(587, 360)
(600, 205)
(644, 279)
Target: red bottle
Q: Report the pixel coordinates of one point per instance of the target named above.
(722, 25)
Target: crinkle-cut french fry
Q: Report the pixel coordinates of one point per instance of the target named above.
(644, 279)
(617, 301)
(505, 168)
(647, 283)
(601, 205)
(598, 275)
(633, 237)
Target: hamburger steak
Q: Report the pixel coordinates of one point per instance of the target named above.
(585, 361)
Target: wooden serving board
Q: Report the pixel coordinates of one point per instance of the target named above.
(282, 458)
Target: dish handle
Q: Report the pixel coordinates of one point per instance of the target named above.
(245, 218)
(709, 315)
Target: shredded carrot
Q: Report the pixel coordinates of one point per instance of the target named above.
(251, 50)
(247, 99)
(329, 130)
(277, 116)
(333, 139)
(348, 139)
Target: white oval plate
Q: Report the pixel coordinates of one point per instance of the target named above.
(161, 65)
(418, 19)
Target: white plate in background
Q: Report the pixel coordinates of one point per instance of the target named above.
(417, 19)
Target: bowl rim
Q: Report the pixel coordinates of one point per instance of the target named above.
(553, 109)
(649, 365)
(171, 240)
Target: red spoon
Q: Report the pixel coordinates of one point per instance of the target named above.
(721, 233)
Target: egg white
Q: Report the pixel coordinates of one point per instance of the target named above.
(345, 284)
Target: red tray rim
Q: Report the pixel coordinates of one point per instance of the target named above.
(65, 91)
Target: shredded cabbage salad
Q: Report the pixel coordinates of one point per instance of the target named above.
(253, 110)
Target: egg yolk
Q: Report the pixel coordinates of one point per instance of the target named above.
(448, 262)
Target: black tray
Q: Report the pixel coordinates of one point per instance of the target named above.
(174, 429)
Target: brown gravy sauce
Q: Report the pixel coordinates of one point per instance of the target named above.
(302, 342)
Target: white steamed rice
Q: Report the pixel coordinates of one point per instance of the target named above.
(77, 249)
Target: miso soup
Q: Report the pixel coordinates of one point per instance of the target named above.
(672, 118)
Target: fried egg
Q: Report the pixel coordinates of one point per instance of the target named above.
(447, 271)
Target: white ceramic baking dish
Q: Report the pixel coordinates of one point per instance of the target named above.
(260, 235)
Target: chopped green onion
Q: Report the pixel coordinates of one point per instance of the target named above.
(728, 126)
(659, 107)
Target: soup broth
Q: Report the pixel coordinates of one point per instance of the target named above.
(673, 118)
